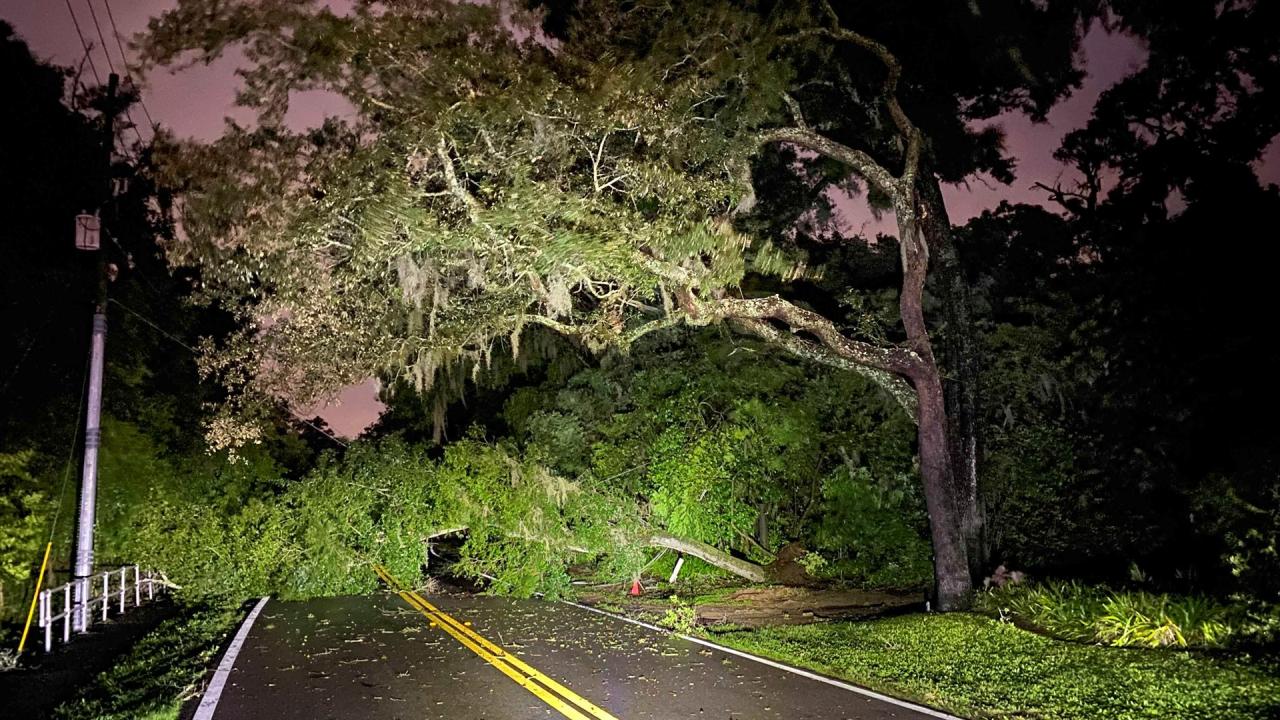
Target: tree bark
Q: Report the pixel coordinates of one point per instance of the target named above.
(950, 555)
(950, 561)
(711, 555)
(960, 380)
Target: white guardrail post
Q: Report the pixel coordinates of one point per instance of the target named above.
(80, 615)
(44, 620)
(66, 613)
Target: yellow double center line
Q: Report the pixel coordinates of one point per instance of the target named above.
(564, 700)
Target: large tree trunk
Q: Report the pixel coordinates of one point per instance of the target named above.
(950, 555)
(913, 215)
(710, 555)
(917, 364)
(960, 381)
(950, 561)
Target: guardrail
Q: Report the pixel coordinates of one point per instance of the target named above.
(105, 590)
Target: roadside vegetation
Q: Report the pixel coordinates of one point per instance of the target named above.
(978, 667)
(1129, 618)
(1047, 649)
(160, 673)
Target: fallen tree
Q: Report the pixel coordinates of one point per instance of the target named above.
(383, 503)
(711, 555)
(707, 553)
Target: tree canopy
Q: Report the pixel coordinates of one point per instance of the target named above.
(493, 177)
(599, 181)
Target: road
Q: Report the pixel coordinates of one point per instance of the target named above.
(388, 656)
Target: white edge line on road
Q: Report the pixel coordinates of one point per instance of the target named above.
(773, 663)
(213, 693)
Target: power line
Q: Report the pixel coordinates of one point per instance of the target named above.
(154, 326)
(106, 50)
(77, 85)
(84, 43)
(125, 59)
(329, 434)
(88, 54)
(101, 38)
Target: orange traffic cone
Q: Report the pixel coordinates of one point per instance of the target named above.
(635, 588)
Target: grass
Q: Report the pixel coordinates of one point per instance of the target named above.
(1124, 618)
(978, 667)
(159, 674)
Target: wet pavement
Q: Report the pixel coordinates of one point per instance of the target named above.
(375, 657)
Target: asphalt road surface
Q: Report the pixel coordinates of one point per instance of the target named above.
(388, 656)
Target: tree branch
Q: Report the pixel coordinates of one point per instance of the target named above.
(899, 389)
(455, 186)
(860, 161)
(576, 331)
(665, 321)
(895, 360)
(893, 73)
(797, 113)
(709, 554)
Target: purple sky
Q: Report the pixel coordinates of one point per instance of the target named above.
(196, 101)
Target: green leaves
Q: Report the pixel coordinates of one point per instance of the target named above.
(480, 183)
(696, 483)
(978, 667)
(24, 516)
(1128, 618)
(874, 528)
(709, 433)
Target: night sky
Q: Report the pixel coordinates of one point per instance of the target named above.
(195, 102)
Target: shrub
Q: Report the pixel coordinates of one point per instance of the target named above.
(1084, 613)
(24, 513)
(161, 672)
(814, 564)
(681, 617)
(872, 529)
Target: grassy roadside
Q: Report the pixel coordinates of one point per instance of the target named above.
(160, 673)
(978, 667)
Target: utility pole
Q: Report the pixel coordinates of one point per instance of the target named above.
(93, 413)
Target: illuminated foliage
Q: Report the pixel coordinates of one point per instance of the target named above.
(490, 178)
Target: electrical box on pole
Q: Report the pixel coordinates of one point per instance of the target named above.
(88, 232)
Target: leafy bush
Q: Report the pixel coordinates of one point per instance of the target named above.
(814, 564)
(872, 529)
(717, 435)
(1241, 518)
(315, 537)
(681, 617)
(24, 512)
(320, 535)
(1084, 613)
(694, 485)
